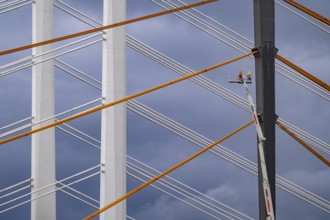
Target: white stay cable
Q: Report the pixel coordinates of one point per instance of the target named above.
(29, 58)
(168, 193)
(87, 138)
(90, 103)
(13, 5)
(78, 198)
(49, 192)
(182, 189)
(238, 160)
(213, 87)
(210, 29)
(303, 17)
(15, 185)
(282, 183)
(52, 191)
(15, 123)
(49, 58)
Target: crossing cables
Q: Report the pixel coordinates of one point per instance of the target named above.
(166, 172)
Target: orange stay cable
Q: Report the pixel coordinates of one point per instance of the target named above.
(98, 108)
(303, 72)
(303, 143)
(104, 27)
(98, 212)
(308, 11)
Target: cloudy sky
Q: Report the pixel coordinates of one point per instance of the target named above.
(187, 103)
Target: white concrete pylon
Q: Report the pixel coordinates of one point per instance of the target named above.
(43, 143)
(113, 130)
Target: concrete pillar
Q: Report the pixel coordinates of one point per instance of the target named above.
(43, 143)
(113, 130)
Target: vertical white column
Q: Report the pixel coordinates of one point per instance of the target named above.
(43, 143)
(113, 130)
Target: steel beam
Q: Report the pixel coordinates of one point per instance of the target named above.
(264, 29)
(113, 125)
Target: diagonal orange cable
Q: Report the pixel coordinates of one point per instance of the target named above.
(303, 72)
(98, 108)
(308, 11)
(303, 143)
(103, 209)
(104, 27)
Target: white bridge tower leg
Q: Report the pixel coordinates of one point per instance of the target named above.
(113, 128)
(43, 143)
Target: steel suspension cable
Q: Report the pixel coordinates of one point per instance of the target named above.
(182, 70)
(79, 71)
(235, 159)
(19, 5)
(246, 106)
(22, 60)
(281, 182)
(143, 170)
(131, 42)
(12, 3)
(308, 11)
(77, 198)
(15, 185)
(49, 58)
(186, 133)
(30, 58)
(79, 15)
(202, 22)
(245, 47)
(66, 37)
(210, 85)
(52, 117)
(185, 192)
(222, 25)
(52, 184)
(165, 172)
(76, 76)
(304, 72)
(301, 16)
(1, 1)
(95, 109)
(78, 137)
(16, 191)
(170, 194)
(49, 192)
(324, 160)
(325, 95)
(146, 171)
(15, 123)
(45, 187)
(325, 147)
(79, 12)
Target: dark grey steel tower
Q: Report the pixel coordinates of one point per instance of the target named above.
(264, 34)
